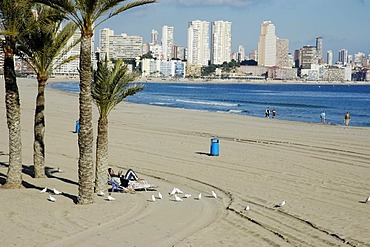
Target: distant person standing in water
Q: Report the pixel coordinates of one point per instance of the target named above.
(347, 118)
(267, 112)
(273, 113)
(323, 117)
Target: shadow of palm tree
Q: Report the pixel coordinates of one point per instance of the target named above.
(202, 153)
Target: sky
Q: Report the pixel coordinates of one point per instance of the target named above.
(343, 24)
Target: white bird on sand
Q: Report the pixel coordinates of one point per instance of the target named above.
(367, 199)
(51, 198)
(101, 193)
(214, 194)
(177, 198)
(59, 170)
(56, 192)
(178, 191)
(282, 203)
(160, 195)
(153, 198)
(187, 195)
(44, 190)
(247, 208)
(199, 196)
(173, 192)
(111, 198)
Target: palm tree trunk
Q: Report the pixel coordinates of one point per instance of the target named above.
(13, 115)
(101, 155)
(85, 134)
(39, 129)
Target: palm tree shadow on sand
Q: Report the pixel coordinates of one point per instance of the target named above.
(203, 153)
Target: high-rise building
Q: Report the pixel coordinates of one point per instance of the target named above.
(119, 46)
(154, 37)
(267, 45)
(329, 57)
(104, 35)
(70, 68)
(241, 53)
(220, 42)
(253, 55)
(282, 53)
(309, 57)
(343, 56)
(198, 43)
(167, 42)
(319, 47)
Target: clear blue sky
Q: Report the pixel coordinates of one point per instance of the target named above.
(343, 24)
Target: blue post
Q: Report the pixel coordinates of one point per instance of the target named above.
(77, 126)
(215, 146)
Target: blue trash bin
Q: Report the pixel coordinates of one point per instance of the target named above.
(215, 146)
(77, 126)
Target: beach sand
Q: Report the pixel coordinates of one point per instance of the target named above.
(322, 171)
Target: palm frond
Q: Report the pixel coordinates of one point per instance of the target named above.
(112, 85)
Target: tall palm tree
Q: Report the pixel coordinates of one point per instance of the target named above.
(14, 15)
(110, 86)
(43, 49)
(85, 13)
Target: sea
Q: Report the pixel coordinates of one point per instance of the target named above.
(293, 102)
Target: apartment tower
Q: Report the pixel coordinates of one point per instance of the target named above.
(319, 47)
(167, 42)
(220, 42)
(198, 43)
(267, 45)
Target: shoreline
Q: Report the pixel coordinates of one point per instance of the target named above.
(61, 79)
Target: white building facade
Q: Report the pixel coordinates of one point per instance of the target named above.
(220, 42)
(167, 42)
(198, 43)
(119, 46)
(267, 45)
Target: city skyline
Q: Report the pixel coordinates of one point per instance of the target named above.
(296, 21)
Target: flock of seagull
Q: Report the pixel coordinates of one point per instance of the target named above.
(175, 192)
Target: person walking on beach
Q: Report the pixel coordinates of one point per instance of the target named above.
(322, 117)
(347, 118)
(273, 113)
(267, 112)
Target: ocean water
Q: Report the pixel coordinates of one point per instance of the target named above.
(295, 102)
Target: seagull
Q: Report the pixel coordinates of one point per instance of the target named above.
(178, 191)
(247, 208)
(160, 195)
(178, 199)
(59, 170)
(173, 192)
(44, 190)
(214, 194)
(282, 203)
(110, 198)
(51, 198)
(187, 195)
(367, 199)
(153, 198)
(199, 196)
(101, 193)
(56, 192)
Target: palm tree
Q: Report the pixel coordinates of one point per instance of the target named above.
(43, 50)
(110, 86)
(14, 15)
(85, 13)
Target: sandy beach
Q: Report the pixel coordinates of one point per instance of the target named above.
(321, 171)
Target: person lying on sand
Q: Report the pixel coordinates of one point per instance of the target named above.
(124, 180)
